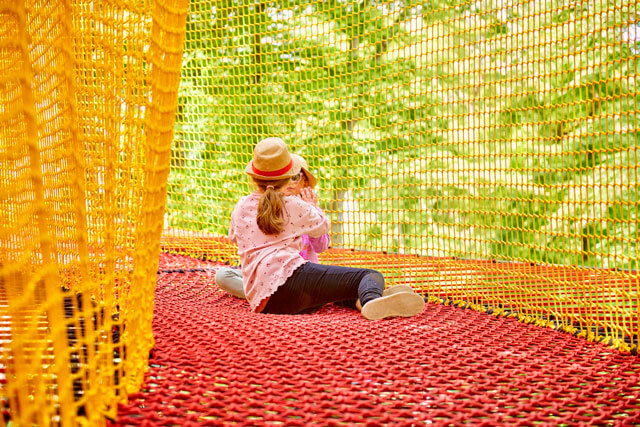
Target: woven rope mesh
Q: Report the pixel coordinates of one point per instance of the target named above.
(87, 103)
(217, 363)
(484, 151)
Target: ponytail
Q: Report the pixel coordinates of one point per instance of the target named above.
(270, 216)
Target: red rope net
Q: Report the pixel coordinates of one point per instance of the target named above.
(217, 363)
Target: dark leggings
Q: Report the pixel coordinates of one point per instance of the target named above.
(314, 285)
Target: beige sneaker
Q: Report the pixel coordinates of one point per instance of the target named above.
(390, 291)
(396, 289)
(401, 304)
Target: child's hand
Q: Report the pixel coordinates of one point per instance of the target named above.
(308, 195)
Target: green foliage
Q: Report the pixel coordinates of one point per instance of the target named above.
(448, 128)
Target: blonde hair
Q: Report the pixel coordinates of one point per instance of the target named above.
(270, 216)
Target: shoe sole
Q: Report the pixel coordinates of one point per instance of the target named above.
(390, 291)
(402, 304)
(397, 289)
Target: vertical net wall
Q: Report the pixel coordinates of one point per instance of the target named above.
(87, 106)
(485, 152)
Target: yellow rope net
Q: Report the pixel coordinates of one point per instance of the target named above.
(88, 96)
(485, 152)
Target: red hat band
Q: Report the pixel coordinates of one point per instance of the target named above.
(272, 173)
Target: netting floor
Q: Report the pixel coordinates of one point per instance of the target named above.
(216, 363)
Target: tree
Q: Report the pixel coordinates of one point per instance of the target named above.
(447, 128)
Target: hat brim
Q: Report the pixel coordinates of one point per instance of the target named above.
(310, 178)
(295, 170)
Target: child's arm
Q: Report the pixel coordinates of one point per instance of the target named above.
(308, 219)
(232, 224)
(320, 244)
(316, 225)
(232, 233)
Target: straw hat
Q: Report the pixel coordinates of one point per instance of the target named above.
(271, 161)
(305, 170)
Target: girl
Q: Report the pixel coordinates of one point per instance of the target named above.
(230, 279)
(268, 226)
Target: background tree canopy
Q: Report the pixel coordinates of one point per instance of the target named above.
(482, 129)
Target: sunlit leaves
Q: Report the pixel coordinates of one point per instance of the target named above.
(435, 127)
